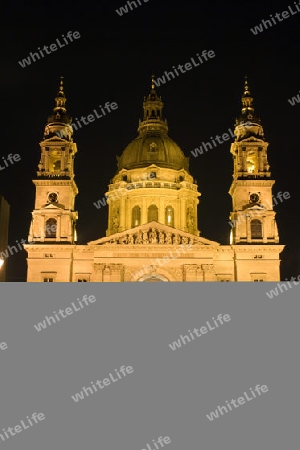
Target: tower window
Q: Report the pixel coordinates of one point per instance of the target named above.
(51, 227)
(250, 166)
(256, 229)
(56, 166)
(152, 213)
(136, 216)
(153, 147)
(169, 216)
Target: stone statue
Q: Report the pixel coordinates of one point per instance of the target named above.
(139, 239)
(153, 237)
(161, 237)
(123, 240)
(145, 238)
(176, 239)
(169, 238)
(115, 220)
(184, 240)
(190, 221)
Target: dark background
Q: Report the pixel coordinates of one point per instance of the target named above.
(113, 61)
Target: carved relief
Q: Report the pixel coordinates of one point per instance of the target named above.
(185, 240)
(152, 236)
(169, 238)
(139, 238)
(190, 220)
(145, 238)
(161, 237)
(115, 221)
(176, 239)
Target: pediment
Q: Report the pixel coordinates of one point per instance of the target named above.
(153, 233)
(251, 207)
(253, 139)
(54, 206)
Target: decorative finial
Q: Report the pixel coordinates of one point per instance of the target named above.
(246, 90)
(61, 87)
(60, 100)
(152, 82)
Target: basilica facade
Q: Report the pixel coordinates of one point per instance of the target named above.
(152, 231)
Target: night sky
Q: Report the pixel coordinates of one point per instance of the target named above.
(112, 61)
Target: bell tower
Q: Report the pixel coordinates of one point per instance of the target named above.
(53, 217)
(252, 217)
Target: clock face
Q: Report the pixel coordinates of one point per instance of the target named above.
(52, 197)
(254, 198)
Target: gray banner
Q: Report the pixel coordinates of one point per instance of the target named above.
(149, 366)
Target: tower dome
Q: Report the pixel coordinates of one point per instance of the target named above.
(153, 145)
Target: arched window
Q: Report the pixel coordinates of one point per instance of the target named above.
(152, 213)
(169, 216)
(51, 227)
(256, 229)
(56, 166)
(136, 216)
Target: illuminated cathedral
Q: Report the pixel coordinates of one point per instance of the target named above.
(152, 232)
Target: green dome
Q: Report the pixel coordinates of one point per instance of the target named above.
(153, 145)
(152, 148)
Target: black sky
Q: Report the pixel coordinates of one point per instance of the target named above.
(113, 61)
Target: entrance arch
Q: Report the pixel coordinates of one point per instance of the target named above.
(153, 277)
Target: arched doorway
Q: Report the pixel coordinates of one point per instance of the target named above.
(153, 278)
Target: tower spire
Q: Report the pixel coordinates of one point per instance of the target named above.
(248, 124)
(246, 89)
(60, 100)
(247, 102)
(153, 82)
(59, 123)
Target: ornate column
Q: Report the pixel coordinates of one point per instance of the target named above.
(46, 161)
(208, 272)
(182, 214)
(122, 213)
(58, 229)
(116, 272)
(161, 212)
(43, 231)
(144, 211)
(63, 160)
(248, 228)
(98, 272)
(264, 234)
